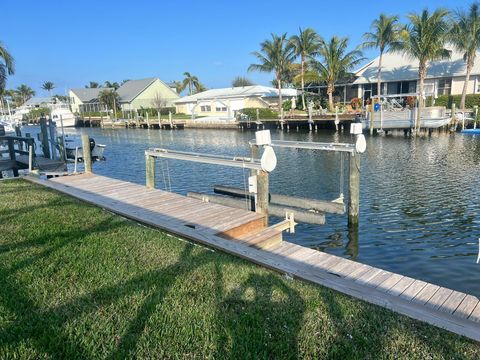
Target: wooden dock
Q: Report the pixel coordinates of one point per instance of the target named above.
(242, 233)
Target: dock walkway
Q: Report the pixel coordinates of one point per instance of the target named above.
(242, 233)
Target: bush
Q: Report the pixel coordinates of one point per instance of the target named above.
(356, 103)
(264, 113)
(37, 113)
(153, 112)
(447, 100)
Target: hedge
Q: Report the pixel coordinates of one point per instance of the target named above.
(447, 100)
(263, 113)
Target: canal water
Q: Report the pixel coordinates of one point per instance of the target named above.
(420, 197)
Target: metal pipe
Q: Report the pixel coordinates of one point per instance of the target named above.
(204, 158)
(311, 145)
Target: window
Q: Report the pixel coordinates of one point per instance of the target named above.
(221, 109)
(444, 86)
(205, 108)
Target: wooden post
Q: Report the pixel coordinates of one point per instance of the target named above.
(51, 131)
(11, 150)
(150, 171)
(44, 137)
(354, 190)
(262, 195)
(87, 156)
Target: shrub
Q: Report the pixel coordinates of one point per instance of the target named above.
(264, 113)
(356, 103)
(447, 100)
(410, 101)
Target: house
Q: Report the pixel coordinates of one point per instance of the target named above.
(400, 76)
(133, 94)
(146, 93)
(226, 101)
(85, 99)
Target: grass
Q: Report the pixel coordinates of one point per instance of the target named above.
(80, 282)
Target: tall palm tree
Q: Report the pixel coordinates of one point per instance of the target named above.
(336, 62)
(306, 45)
(48, 86)
(191, 82)
(384, 33)
(465, 36)
(92, 84)
(115, 85)
(7, 66)
(25, 92)
(275, 55)
(424, 40)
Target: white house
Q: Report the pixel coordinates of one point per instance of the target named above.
(226, 101)
(400, 76)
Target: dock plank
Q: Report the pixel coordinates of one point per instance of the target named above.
(458, 313)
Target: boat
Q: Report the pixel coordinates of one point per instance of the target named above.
(74, 148)
(471, 131)
(61, 114)
(6, 128)
(59, 111)
(431, 118)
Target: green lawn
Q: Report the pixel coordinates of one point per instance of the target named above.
(79, 282)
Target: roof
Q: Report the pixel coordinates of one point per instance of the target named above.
(399, 67)
(235, 92)
(38, 100)
(132, 88)
(88, 94)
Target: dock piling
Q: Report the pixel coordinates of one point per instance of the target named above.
(87, 156)
(150, 171)
(262, 195)
(354, 190)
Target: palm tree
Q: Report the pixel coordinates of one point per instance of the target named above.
(240, 81)
(465, 36)
(191, 82)
(25, 92)
(424, 40)
(114, 85)
(110, 98)
(384, 33)
(336, 63)
(92, 84)
(306, 45)
(178, 86)
(48, 86)
(7, 66)
(275, 55)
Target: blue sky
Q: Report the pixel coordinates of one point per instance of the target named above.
(74, 42)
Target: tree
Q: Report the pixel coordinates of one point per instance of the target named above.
(110, 98)
(465, 37)
(92, 85)
(424, 40)
(385, 32)
(178, 86)
(199, 87)
(275, 56)
(240, 81)
(335, 63)
(25, 92)
(158, 102)
(114, 85)
(48, 86)
(7, 66)
(191, 82)
(306, 45)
